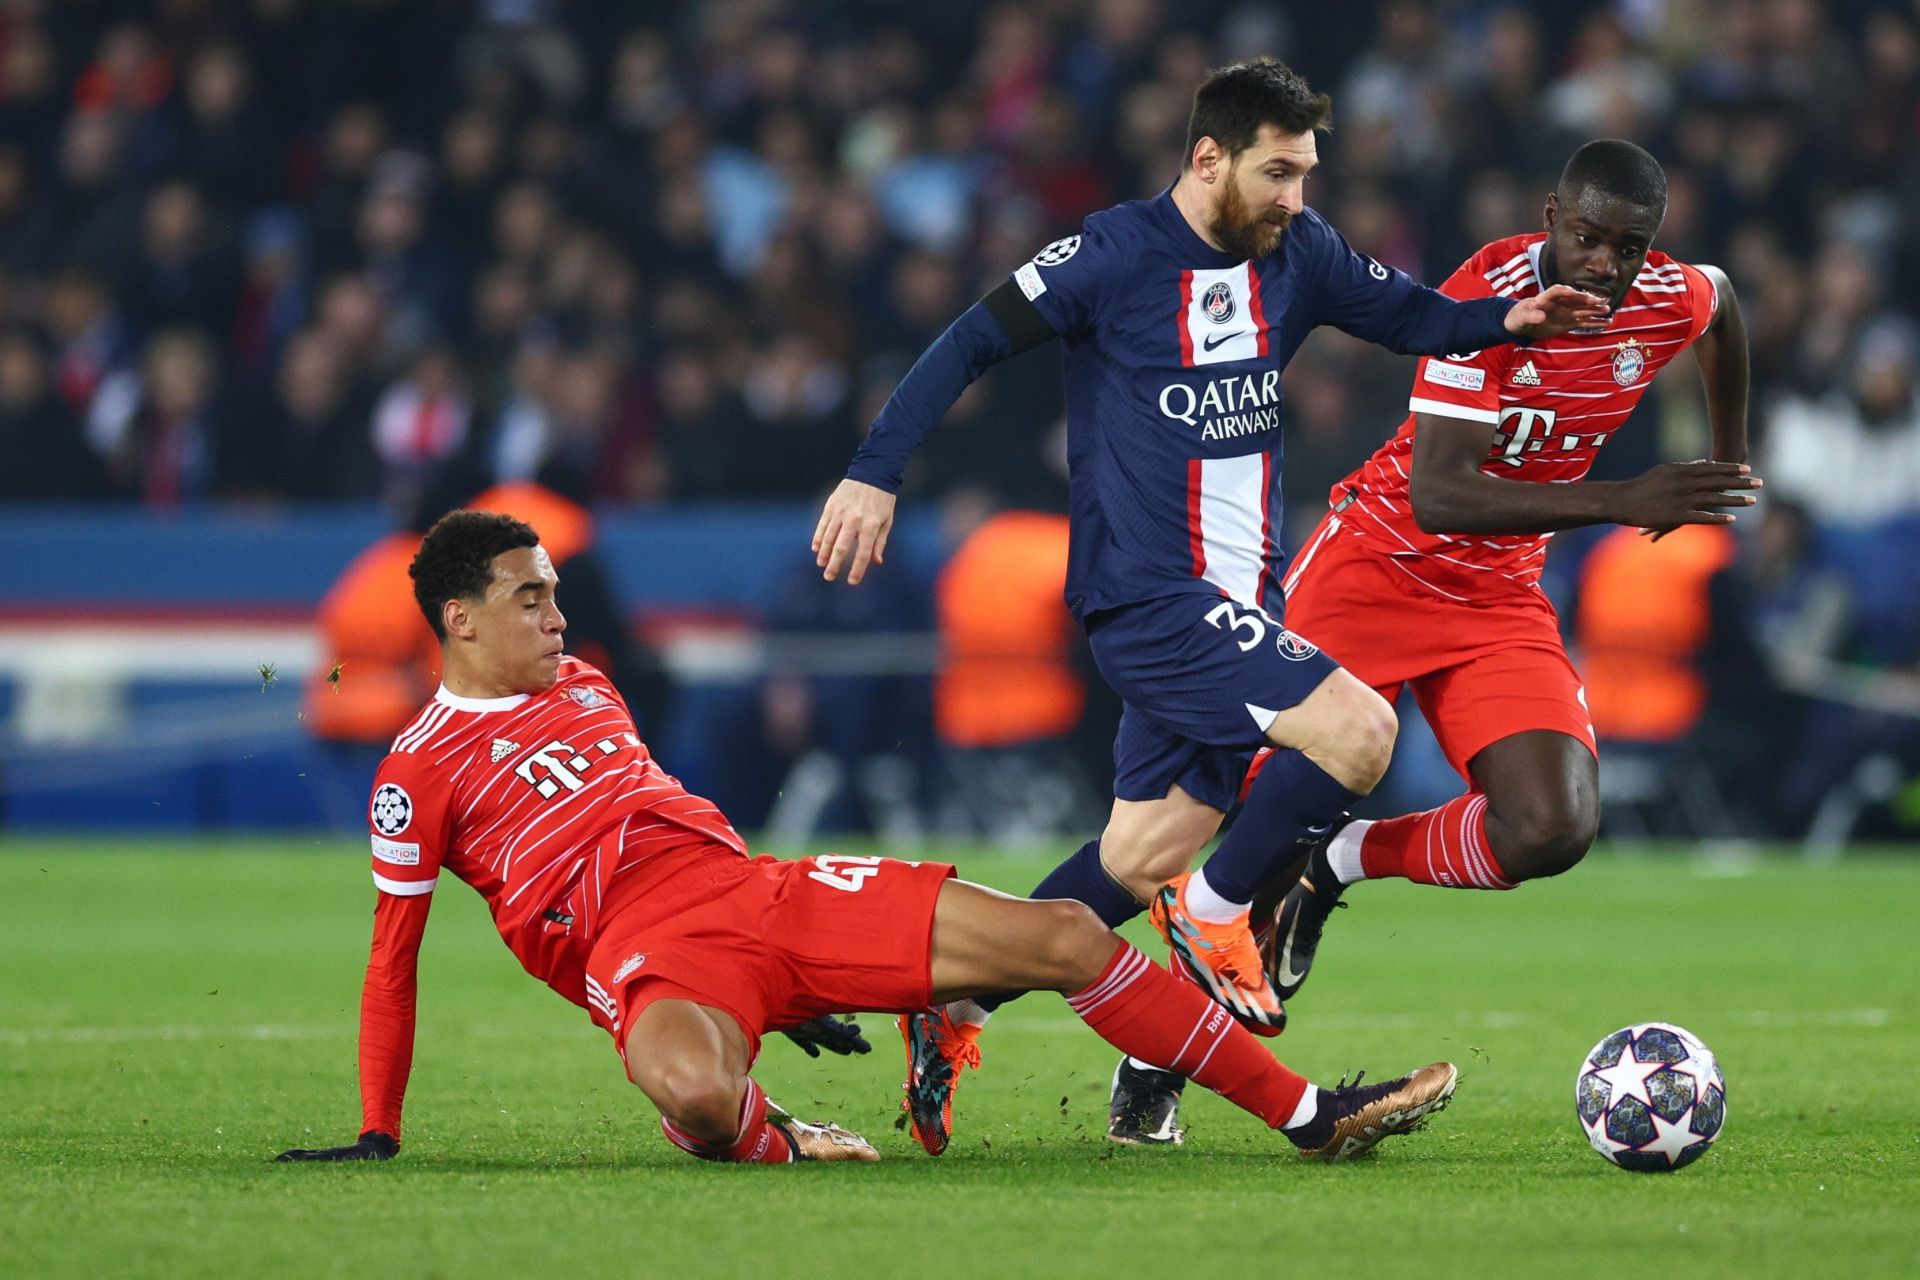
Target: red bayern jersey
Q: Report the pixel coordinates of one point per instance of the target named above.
(537, 801)
(1552, 404)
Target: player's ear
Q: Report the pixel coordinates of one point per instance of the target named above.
(1552, 210)
(457, 618)
(1206, 158)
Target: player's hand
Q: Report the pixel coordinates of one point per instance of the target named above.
(1681, 493)
(829, 1033)
(373, 1145)
(853, 530)
(1559, 310)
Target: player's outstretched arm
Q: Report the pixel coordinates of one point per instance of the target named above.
(1560, 309)
(1724, 360)
(387, 1000)
(1452, 495)
(853, 528)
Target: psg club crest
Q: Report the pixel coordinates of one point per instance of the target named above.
(1294, 648)
(1629, 362)
(1217, 302)
(586, 697)
(392, 809)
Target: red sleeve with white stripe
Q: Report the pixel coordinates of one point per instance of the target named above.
(1463, 384)
(387, 1001)
(408, 816)
(1702, 298)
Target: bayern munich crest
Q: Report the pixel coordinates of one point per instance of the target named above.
(1629, 362)
(1057, 252)
(392, 809)
(1217, 302)
(586, 697)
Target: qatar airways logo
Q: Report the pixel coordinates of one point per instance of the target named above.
(1226, 408)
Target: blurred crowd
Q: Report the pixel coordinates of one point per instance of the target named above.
(277, 251)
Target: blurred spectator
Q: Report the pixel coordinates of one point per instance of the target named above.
(308, 437)
(421, 421)
(158, 428)
(179, 273)
(1852, 457)
(46, 458)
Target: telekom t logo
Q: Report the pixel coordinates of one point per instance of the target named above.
(564, 767)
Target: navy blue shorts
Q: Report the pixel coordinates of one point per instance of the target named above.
(1202, 677)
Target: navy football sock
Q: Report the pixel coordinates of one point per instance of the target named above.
(1083, 878)
(1291, 797)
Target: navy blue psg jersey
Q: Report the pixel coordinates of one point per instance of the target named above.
(1174, 352)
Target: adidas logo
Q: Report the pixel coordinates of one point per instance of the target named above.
(1527, 377)
(502, 749)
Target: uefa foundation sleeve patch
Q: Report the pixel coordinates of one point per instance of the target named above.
(400, 855)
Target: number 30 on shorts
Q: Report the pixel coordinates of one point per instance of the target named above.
(845, 872)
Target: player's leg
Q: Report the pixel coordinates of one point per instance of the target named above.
(984, 940)
(1146, 842)
(1533, 811)
(692, 1060)
(1513, 721)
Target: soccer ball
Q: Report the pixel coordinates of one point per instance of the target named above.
(1651, 1097)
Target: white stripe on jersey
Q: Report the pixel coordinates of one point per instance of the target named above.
(1499, 273)
(1311, 550)
(404, 888)
(430, 724)
(1238, 338)
(1233, 510)
(1419, 404)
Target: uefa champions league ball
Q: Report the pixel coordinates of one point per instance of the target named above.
(1651, 1097)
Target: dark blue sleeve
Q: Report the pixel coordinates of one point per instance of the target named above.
(1061, 285)
(1373, 301)
(971, 345)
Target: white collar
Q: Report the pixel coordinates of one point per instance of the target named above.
(458, 703)
(1533, 260)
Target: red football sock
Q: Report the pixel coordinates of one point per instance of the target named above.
(1141, 1009)
(757, 1142)
(1445, 846)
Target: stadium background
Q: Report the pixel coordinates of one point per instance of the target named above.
(278, 277)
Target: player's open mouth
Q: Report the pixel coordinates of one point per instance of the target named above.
(1596, 291)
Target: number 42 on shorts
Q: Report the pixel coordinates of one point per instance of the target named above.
(846, 872)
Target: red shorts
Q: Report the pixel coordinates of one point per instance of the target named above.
(770, 942)
(1481, 670)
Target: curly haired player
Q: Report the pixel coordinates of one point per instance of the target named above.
(639, 902)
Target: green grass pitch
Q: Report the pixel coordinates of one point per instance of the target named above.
(171, 1016)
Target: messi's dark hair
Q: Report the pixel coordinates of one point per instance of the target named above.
(455, 562)
(1233, 102)
(1618, 168)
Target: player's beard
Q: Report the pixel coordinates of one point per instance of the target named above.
(1243, 234)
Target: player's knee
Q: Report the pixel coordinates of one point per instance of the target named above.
(1077, 945)
(699, 1101)
(1144, 858)
(1532, 841)
(1356, 744)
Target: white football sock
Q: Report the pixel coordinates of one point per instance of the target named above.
(1343, 852)
(968, 1012)
(1203, 902)
(1308, 1108)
